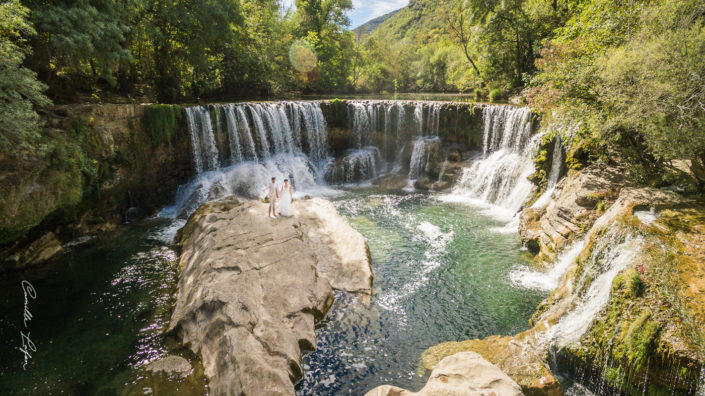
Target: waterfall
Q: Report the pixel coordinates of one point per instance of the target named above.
(612, 254)
(274, 150)
(500, 177)
(244, 128)
(205, 149)
(418, 118)
(356, 166)
(554, 174)
(418, 165)
(195, 139)
(233, 136)
(364, 119)
(385, 123)
(315, 125)
(434, 118)
(550, 279)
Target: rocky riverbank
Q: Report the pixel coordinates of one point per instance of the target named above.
(627, 314)
(251, 289)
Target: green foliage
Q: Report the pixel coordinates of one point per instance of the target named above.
(459, 44)
(191, 49)
(161, 122)
(20, 91)
(633, 73)
(636, 285)
(496, 94)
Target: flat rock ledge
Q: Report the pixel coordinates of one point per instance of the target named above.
(251, 287)
(461, 374)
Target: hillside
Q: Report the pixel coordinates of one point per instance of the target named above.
(419, 20)
(369, 26)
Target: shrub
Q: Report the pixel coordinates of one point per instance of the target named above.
(496, 94)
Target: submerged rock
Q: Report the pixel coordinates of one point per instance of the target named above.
(251, 288)
(171, 365)
(462, 374)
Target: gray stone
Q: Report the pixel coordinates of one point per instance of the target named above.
(252, 287)
(171, 365)
(462, 374)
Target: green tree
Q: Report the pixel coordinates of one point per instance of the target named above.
(20, 91)
(78, 37)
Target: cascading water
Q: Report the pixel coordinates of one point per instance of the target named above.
(500, 177)
(554, 174)
(356, 166)
(205, 150)
(420, 158)
(385, 122)
(613, 253)
(275, 150)
(550, 279)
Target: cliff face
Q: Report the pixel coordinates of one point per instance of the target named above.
(102, 161)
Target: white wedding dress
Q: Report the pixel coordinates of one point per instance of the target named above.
(285, 203)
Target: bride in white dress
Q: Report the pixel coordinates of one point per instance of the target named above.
(285, 199)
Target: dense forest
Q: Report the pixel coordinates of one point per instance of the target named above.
(630, 74)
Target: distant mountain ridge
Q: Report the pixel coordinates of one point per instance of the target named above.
(419, 21)
(371, 25)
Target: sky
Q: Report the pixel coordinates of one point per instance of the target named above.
(364, 10)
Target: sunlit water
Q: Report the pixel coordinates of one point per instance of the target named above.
(441, 274)
(97, 319)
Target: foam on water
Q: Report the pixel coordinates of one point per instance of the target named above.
(498, 182)
(645, 216)
(550, 279)
(437, 242)
(611, 258)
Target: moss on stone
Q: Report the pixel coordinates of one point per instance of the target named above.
(161, 122)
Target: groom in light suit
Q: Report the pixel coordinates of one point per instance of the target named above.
(273, 194)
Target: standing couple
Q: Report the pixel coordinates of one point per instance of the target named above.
(284, 194)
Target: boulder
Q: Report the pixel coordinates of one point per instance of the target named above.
(424, 184)
(520, 357)
(462, 374)
(251, 288)
(38, 252)
(391, 182)
(171, 365)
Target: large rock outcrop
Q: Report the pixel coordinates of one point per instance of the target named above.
(520, 357)
(579, 200)
(251, 288)
(462, 374)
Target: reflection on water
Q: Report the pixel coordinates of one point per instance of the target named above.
(425, 96)
(98, 317)
(430, 96)
(441, 274)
